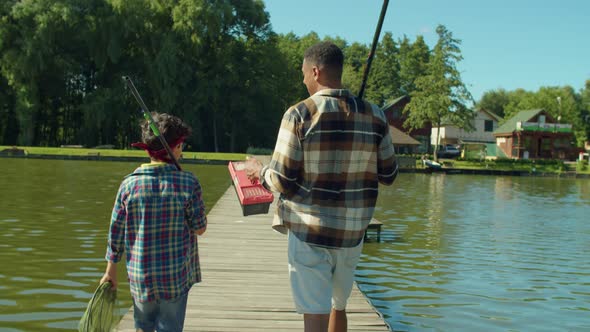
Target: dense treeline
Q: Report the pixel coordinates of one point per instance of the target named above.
(215, 63)
(206, 61)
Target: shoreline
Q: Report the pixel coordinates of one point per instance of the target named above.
(497, 172)
(448, 170)
(98, 157)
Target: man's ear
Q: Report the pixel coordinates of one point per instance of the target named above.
(316, 72)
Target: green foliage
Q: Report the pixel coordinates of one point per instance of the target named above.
(384, 81)
(440, 95)
(494, 101)
(216, 64)
(584, 115)
(523, 165)
(213, 63)
(561, 103)
(355, 57)
(413, 62)
(259, 151)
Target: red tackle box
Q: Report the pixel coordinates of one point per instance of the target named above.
(254, 198)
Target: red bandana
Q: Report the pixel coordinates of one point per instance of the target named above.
(159, 154)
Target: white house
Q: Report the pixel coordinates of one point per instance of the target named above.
(485, 122)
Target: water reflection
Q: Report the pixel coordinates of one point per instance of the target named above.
(481, 253)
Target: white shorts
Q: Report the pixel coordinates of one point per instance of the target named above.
(321, 278)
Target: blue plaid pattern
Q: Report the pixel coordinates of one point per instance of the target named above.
(154, 219)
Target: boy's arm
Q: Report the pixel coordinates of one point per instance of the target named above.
(195, 211)
(116, 241)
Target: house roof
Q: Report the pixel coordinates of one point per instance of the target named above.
(400, 138)
(492, 115)
(394, 102)
(510, 125)
(447, 122)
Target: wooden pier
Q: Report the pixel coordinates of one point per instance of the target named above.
(245, 283)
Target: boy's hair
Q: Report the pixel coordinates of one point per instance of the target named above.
(172, 128)
(326, 55)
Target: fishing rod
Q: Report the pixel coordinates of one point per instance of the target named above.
(373, 47)
(150, 120)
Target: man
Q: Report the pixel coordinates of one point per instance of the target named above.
(157, 216)
(332, 151)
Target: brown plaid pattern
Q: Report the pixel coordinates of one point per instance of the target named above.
(332, 151)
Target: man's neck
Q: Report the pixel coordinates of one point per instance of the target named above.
(330, 85)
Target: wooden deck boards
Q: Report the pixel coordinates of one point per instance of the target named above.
(245, 283)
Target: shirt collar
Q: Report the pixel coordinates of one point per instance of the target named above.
(333, 93)
(153, 169)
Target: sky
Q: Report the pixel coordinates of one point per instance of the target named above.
(505, 44)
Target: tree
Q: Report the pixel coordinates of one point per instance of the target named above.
(519, 100)
(9, 124)
(355, 57)
(585, 109)
(413, 61)
(494, 101)
(384, 81)
(440, 96)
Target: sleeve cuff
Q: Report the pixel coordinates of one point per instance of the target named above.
(113, 256)
(263, 179)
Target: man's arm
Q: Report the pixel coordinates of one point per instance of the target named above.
(283, 172)
(387, 167)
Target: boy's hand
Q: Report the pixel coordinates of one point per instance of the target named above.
(110, 275)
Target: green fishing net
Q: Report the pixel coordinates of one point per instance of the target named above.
(101, 314)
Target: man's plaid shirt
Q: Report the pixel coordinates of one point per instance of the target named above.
(332, 151)
(156, 212)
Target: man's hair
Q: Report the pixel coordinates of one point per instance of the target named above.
(170, 126)
(328, 56)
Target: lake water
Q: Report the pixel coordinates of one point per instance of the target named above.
(481, 253)
(54, 218)
(458, 252)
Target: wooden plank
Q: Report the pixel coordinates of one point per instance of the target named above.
(245, 283)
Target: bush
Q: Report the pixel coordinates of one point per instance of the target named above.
(259, 151)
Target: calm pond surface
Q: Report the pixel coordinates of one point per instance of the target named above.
(54, 217)
(481, 253)
(458, 253)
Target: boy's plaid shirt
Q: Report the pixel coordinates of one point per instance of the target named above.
(156, 212)
(332, 151)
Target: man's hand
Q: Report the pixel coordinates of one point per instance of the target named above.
(110, 275)
(253, 168)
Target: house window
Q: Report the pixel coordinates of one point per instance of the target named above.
(489, 126)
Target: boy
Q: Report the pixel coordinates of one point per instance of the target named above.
(156, 218)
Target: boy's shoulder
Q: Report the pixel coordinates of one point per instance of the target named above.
(149, 174)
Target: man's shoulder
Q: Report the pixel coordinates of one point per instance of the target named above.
(301, 109)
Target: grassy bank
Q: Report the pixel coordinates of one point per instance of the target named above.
(528, 166)
(122, 153)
